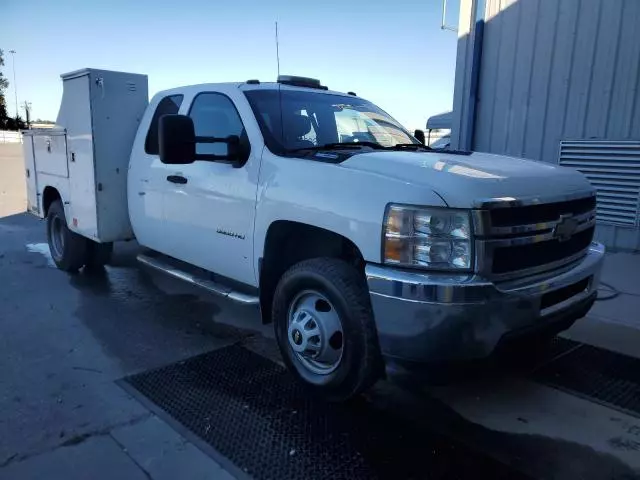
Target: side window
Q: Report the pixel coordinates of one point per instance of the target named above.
(168, 105)
(215, 115)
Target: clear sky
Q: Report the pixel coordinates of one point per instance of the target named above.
(390, 52)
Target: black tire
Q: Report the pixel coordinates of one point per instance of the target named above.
(361, 363)
(69, 254)
(98, 254)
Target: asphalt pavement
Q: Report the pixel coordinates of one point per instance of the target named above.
(65, 340)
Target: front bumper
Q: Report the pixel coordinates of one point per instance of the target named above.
(438, 317)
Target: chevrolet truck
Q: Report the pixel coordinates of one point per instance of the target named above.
(363, 247)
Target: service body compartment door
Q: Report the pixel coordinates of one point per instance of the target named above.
(76, 118)
(33, 205)
(50, 153)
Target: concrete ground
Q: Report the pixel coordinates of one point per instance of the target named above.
(13, 192)
(65, 340)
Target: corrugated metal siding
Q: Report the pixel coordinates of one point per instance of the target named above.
(558, 69)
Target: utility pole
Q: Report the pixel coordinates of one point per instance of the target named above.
(15, 84)
(27, 112)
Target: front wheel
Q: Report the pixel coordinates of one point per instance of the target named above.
(325, 328)
(68, 249)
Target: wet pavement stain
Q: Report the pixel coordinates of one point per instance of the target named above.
(537, 456)
(42, 249)
(137, 323)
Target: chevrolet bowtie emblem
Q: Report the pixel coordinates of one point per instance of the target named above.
(565, 229)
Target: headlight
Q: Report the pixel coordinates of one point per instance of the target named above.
(437, 238)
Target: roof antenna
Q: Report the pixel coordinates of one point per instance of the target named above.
(277, 49)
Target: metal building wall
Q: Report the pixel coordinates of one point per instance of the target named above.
(551, 70)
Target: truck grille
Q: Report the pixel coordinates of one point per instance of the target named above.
(547, 212)
(520, 257)
(516, 241)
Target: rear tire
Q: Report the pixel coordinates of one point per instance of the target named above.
(68, 249)
(98, 254)
(325, 328)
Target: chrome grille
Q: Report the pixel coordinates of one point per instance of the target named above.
(517, 238)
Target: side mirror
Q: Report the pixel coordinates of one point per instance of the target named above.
(177, 140)
(419, 134)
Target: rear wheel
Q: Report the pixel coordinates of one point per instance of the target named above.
(325, 328)
(67, 248)
(98, 254)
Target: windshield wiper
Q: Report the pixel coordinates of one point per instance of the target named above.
(409, 146)
(338, 146)
(359, 145)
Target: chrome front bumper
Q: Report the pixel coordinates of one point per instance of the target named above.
(425, 317)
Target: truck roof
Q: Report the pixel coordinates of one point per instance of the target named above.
(245, 86)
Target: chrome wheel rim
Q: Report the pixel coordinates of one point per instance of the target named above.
(315, 332)
(57, 237)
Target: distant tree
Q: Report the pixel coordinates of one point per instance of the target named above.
(4, 83)
(15, 123)
(45, 122)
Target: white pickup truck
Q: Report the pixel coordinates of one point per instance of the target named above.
(361, 245)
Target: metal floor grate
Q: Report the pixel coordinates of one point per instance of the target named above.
(252, 413)
(596, 374)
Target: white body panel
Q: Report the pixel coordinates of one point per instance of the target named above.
(332, 197)
(42, 152)
(185, 220)
(30, 172)
(192, 222)
(86, 158)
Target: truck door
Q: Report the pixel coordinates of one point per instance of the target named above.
(147, 180)
(210, 206)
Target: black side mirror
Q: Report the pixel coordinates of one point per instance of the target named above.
(419, 134)
(177, 140)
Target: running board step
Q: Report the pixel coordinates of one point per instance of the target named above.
(209, 285)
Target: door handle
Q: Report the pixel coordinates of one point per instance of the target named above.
(177, 179)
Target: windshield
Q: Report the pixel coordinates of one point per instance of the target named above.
(295, 119)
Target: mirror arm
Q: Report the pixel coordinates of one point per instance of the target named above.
(212, 140)
(211, 158)
(216, 158)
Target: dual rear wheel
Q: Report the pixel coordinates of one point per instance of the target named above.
(71, 251)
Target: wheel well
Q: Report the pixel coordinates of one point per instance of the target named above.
(49, 195)
(288, 243)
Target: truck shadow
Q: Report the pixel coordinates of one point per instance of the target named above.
(140, 324)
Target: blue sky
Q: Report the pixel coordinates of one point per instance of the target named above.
(390, 52)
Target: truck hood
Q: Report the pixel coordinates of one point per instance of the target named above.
(463, 180)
